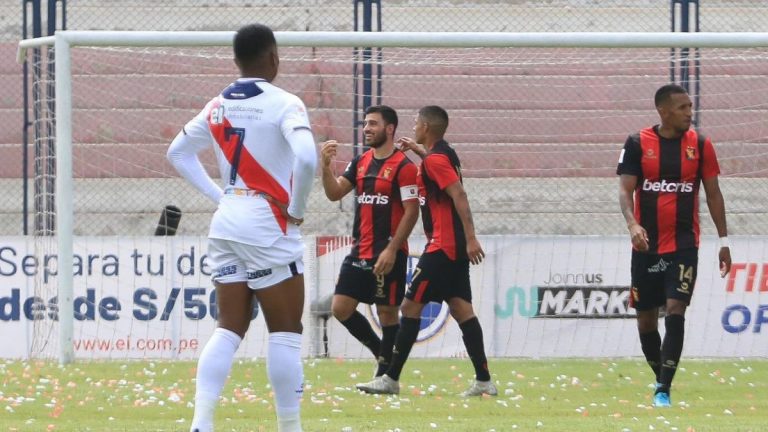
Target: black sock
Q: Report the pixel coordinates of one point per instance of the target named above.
(406, 337)
(361, 329)
(671, 349)
(388, 334)
(651, 346)
(472, 334)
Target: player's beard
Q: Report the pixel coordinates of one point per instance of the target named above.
(377, 140)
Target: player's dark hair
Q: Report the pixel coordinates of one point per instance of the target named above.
(387, 113)
(436, 117)
(253, 41)
(664, 92)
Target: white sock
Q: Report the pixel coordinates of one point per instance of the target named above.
(289, 423)
(286, 374)
(212, 370)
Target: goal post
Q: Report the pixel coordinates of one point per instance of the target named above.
(65, 42)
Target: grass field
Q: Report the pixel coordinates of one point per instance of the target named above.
(544, 395)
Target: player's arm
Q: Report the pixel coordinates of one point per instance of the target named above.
(460, 200)
(335, 187)
(386, 260)
(295, 127)
(716, 204)
(409, 194)
(406, 144)
(440, 168)
(182, 154)
(627, 185)
(304, 165)
(630, 169)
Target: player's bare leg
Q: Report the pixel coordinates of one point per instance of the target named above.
(472, 334)
(282, 306)
(235, 306)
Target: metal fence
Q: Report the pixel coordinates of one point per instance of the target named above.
(539, 131)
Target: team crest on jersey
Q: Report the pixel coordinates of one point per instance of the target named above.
(386, 173)
(360, 170)
(690, 153)
(650, 154)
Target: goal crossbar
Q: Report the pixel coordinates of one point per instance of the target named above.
(415, 39)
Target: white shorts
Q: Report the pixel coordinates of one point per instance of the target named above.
(261, 267)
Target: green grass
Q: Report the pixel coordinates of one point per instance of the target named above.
(546, 395)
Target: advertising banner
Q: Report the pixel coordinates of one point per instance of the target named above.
(535, 296)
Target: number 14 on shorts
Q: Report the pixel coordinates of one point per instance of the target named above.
(686, 278)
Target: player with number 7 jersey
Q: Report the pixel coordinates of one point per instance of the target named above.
(248, 122)
(267, 158)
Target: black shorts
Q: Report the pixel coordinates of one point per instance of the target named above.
(437, 278)
(356, 280)
(656, 278)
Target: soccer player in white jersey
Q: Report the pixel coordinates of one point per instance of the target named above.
(267, 158)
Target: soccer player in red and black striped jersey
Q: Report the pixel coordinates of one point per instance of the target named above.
(661, 169)
(443, 270)
(386, 209)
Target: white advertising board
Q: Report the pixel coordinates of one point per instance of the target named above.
(537, 296)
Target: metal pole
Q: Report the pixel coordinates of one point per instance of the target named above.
(697, 74)
(39, 189)
(355, 86)
(379, 55)
(683, 60)
(672, 51)
(365, 56)
(50, 125)
(685, 28)
(64, 192)
(25, 128)
(367, 71)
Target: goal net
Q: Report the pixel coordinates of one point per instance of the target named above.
(538, 124)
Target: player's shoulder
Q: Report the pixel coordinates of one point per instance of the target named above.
(401, 158)
(435, 156)
(283, 94)
(362, 158)
(634, 139)
(700, 137)
(368, 154)
(443, 151)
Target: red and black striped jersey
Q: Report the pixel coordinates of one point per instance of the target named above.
(442, 226)
(381, 186)
(669, 174)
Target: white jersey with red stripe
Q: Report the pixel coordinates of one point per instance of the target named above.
(249, 125)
